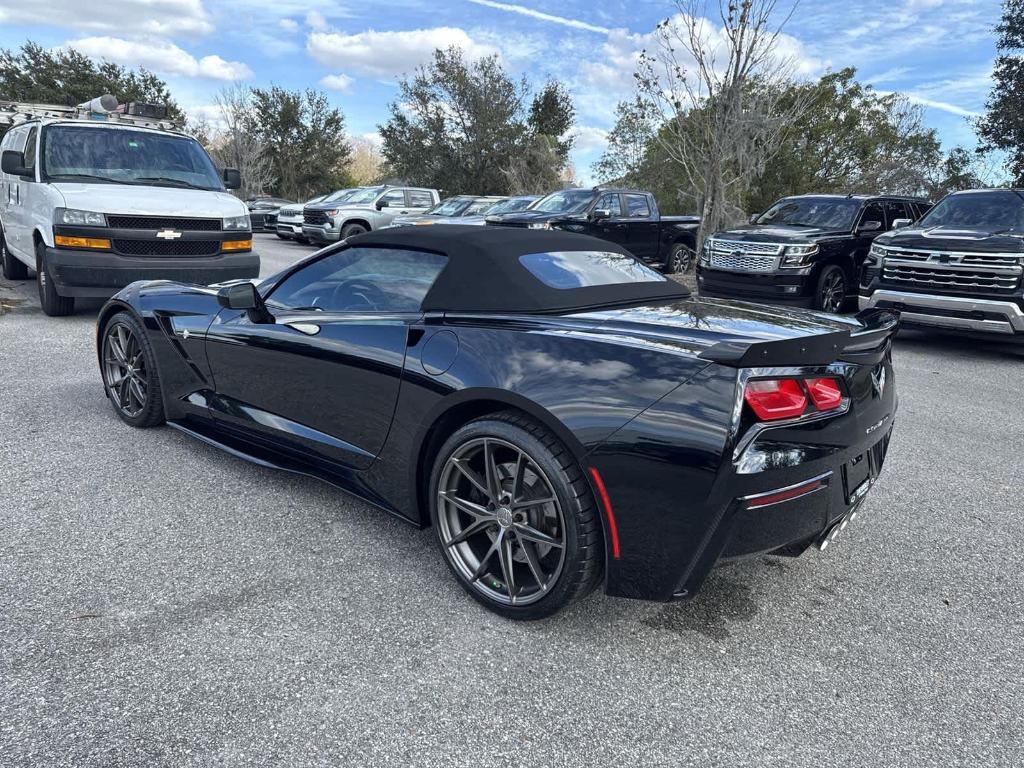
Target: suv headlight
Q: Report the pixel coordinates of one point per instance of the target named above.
(238, 223)
(77, 218)
(539, 225)
(878, 251)
(795, 256)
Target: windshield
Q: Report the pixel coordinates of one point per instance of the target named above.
(996, 211)
(453, 206)
(341, 194)
(121, 156)
(364, 195)
(512, 205)
(565, 201)
(818, 212)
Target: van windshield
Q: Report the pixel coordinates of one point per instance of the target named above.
(123, 156)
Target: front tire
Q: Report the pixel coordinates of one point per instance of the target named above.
(129, 371)
(830, 293)
(13, 269)
(514, 517)
(351, 230)
(679, 259)
(52, 302)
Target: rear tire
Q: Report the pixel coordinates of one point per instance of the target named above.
(519, 559)
(679, 259)
(830, 293)
(351, 230)
(130, 376)
(13, 269)
(52, 302)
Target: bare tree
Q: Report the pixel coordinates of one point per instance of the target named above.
(366, 163)
(719, 88)
(234, 143)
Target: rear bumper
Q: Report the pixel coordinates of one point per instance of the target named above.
(101, 274)
(970, 314)
(795, 287)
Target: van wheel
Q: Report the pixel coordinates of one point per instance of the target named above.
(53, 303)
(351, 230)
(830, 295)
(12, 268)
(679, 260)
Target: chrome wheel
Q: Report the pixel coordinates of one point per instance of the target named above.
(124, 369)
(500, 523)
(833, 291)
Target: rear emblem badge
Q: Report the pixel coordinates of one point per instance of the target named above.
(878, 380)
(168, 234)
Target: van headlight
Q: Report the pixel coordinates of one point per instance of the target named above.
(795, 256)
(77, 218)
(238, 223)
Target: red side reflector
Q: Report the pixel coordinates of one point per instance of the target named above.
(825, 393)
(773, 399)
(613, 529)
(775, 497)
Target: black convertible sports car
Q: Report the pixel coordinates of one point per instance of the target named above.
(562, 415)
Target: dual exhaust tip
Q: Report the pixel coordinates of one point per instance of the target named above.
(830, 535)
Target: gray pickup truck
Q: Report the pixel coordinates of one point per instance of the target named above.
(368, 209)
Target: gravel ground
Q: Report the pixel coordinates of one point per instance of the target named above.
(162, 603)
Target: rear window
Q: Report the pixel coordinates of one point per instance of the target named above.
(583, 269)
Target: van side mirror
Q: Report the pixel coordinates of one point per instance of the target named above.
(245, 297)
(232, 178)
(901, 223)
(13, 164)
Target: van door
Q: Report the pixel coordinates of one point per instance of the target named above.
(27, 190)
(13, 219)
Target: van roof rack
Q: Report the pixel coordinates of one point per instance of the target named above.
(102, 109)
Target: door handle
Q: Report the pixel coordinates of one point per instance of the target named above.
(310, 329)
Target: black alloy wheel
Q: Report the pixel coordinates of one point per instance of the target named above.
(515, 518)
(52, 302)
(680, 259)
(129, 372)
(13, 269)
(351, 230)
(831, 293)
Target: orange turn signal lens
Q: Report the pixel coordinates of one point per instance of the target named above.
(236, 245)
(63, 241)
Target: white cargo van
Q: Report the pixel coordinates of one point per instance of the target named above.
(94, 197)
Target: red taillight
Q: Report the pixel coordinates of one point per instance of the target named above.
(787, 494)
(825, 393)
(774, 399)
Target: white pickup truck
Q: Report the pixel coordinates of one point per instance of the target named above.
(94, 197)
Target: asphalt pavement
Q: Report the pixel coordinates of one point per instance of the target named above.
(165, 604)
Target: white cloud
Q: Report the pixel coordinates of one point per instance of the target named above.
(161, 56)
(288, 25)
(341, 83)
(522, 10)
(316, 21)
(387, 54)
(945, 106)
(175, 18)
(589, 138)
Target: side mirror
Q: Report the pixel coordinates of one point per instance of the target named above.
(752, 219)
(600, 213)
(245, 297)
(13, 164)
(232, 178)
(382, 204)
(870, 226)
(901, 223)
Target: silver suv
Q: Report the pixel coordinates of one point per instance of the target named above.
(368, 209)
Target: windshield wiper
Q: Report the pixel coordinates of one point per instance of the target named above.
(168, 180)
(105, 179)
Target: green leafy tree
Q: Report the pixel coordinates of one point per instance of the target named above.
(630, 142)
(464, 126)
(67, 77)
(303, 138)
(1002, 127)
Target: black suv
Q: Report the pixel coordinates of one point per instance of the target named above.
(805, 250)
(960, 267)
(629, 217)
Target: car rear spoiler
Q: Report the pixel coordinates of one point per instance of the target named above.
(866, 346)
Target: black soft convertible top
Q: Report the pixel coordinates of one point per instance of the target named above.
(484, 273)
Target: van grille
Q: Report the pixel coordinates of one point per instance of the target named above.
(163, 222)
(167, 248)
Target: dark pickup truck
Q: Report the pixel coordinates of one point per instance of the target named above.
(805, 250)
(960, 268)
(628, 217)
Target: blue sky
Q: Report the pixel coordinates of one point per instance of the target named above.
(939, 52)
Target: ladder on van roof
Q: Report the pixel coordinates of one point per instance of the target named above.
(102, 109)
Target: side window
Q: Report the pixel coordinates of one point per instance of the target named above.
(610, 201)
(638, 207)
(361, 280)
(30, 149)
(420, 198)
(896, 209)
(395, 198)
(873, 212)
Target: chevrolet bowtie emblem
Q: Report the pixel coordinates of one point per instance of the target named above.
(168, 234)
(878, 380)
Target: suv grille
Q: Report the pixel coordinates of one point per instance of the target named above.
(961, 272)
(743, 256)
(163, 222)
(270, 220)
(167, 248)
(314, 217)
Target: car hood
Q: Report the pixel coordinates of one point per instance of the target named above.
(339, 206)
(954, 239)
(150, 201)
(778, 233)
